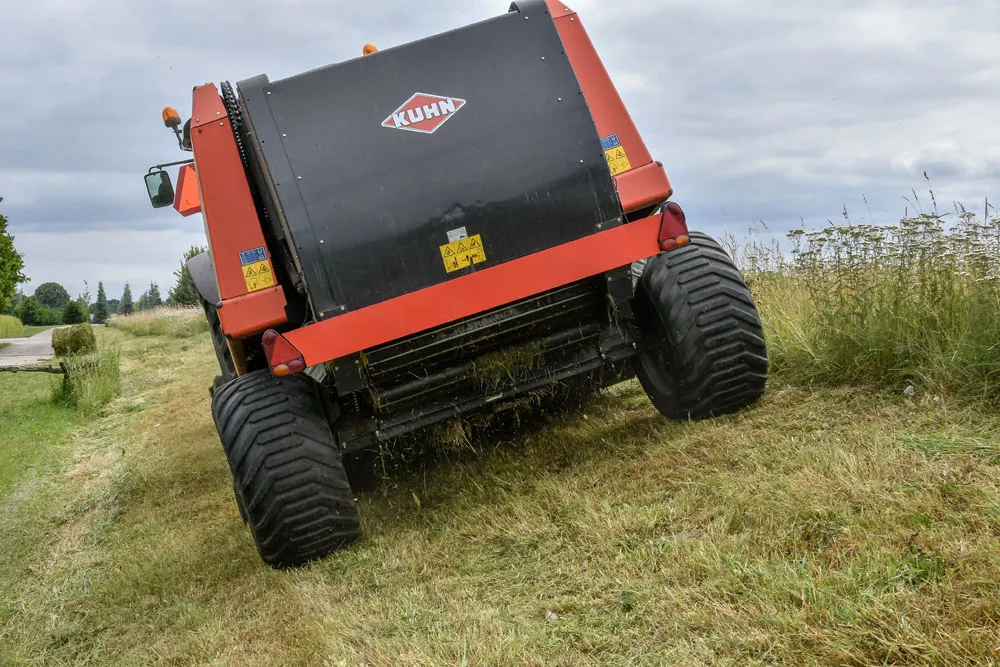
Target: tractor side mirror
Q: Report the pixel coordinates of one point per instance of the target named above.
(161, 190)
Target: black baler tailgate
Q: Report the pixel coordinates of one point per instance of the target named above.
(518, 163)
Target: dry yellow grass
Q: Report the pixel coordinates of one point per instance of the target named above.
(175, 322)
(827, 527)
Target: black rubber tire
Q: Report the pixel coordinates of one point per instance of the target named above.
(288, 475)
(710, 358)
(222, 351)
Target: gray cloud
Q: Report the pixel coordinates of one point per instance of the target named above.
(760, 110)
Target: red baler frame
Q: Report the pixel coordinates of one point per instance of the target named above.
(232, 226)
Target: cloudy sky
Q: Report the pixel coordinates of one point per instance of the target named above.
(760, 109)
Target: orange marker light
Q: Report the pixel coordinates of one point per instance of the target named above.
(369, 49)
(171, 118)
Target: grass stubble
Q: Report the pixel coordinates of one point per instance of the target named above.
(842, 521)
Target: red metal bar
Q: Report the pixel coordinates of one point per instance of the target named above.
(643, 186)
(231, 221)
(610, 114)
(484, 290)
(250, 314)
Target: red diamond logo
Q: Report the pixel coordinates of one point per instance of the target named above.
(423, 113)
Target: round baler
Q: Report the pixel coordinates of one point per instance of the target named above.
(435, 230)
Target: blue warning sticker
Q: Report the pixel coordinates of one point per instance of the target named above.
(615, 154)
(610, 143)
(253, 256)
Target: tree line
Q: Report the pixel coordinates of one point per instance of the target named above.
(51, 303)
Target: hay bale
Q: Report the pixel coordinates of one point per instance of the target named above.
(77, 339)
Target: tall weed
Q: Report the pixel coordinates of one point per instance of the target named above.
(91, 381)
(10, 326)
(166, 321)
(916, 302)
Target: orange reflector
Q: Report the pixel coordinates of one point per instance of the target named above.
(673, 227)
(282, 357)
(171, 118)
(369, 49)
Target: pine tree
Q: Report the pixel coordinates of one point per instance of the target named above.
(184, 293)
(126, 306)
(154, 296)
(99, 311)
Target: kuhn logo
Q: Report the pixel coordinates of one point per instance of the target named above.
(423, 113)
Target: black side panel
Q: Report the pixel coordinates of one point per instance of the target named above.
(369, 207)
(203, 273)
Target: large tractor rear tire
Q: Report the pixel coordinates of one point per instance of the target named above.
(709, 356)
(287, 470)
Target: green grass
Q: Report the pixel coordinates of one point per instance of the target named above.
(165, 321)
(886, 306)
(3, 345)
(840, 522)
(828, 526)
(92, 381)
(29, 331)
(10, 326)
(31, 428)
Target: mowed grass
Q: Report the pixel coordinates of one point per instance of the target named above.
(835, 526)
(28, 331)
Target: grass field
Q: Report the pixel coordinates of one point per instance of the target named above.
(838, 522)
(171, 321)
(11, 327)
(3, 345)
(827, 526)
(28, 331)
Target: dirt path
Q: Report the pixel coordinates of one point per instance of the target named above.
(24, 351)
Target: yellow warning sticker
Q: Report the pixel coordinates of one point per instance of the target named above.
(258, 276)
(463, 253)
(617, 161)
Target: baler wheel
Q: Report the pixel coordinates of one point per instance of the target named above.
(287, 469)
(710, 357)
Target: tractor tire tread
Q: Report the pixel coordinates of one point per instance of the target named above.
(710, 332)
(287, 470)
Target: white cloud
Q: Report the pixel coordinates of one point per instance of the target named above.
(131, 255)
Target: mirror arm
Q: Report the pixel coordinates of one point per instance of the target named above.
(159, 167)
(180, 140)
